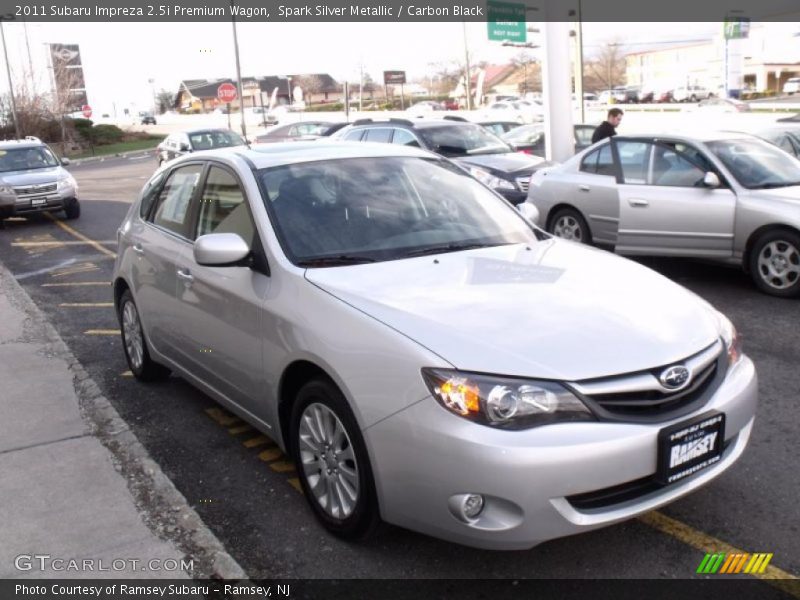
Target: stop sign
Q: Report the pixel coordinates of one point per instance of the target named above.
(87, 110)
(226, 92)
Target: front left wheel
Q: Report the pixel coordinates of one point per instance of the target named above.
(73, 209)
(133, 342)
(332, 461)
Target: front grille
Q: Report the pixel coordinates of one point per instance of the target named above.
(524, 183)
(630, 490)
(34, 190)
(640, 397)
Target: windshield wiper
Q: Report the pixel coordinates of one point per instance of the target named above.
(332, 261)
(776, 184)
(453, 247)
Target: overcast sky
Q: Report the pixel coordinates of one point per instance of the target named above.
(120, 58)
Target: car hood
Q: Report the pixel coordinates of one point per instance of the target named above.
(31, 177)
(512, 163)
(557, 310)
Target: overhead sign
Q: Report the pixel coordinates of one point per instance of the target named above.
(737, 28)
(87, 111)
(394, 77)
(70, 86)
(227, 93)
(506, 22)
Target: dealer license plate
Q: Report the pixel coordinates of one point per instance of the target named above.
(38, 201)
(688, 447)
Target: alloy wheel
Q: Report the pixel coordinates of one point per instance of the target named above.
(568, 228)
(779, 264)
(132, 332)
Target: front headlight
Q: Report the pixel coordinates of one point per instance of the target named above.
(490, 180)
(7, 190)
(504, 402)
(66, 182)
(733, 343)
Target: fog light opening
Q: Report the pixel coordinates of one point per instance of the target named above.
(472, 506)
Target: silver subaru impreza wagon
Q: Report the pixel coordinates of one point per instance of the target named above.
(425, 354)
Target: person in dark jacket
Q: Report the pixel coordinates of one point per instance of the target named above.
(608, 127)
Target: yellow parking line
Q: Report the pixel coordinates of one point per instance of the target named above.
(101, 332)
(222, 417)
(239, 429)
(77, 284)
(80, 236)
(86, 305)
(57, 243)
(271, 454)
(255, 442)
(126, 374)
(708, 544)
(84, 268)
(282, 466)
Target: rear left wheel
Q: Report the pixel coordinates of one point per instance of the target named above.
(332, 461)
(569, 224)
(775, 263)
(133, 342)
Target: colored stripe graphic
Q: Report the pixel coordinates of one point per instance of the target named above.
(721, 562)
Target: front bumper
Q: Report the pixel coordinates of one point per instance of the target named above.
(13, 206)
(424, 455)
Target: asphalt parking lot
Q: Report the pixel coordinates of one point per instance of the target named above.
(247, 491)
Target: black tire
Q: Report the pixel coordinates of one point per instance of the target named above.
(580, 228)
(148, 370)
(364, 517)
(782, 277)
(693, 98)
(73, 209)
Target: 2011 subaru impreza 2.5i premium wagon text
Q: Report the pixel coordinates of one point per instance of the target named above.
(426, 355)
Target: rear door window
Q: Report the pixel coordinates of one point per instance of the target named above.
(379, 134)
(174, 199)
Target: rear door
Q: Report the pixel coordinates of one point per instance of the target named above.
(665, 209)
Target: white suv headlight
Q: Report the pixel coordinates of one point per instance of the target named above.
(6, 190)
(67, 182)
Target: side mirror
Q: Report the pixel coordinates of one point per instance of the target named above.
(711, 180)
(65, 162)
(529, 212)
(220, 249)
(184, 147)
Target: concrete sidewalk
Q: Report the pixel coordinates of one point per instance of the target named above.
(76, 483)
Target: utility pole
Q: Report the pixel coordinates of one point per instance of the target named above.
(10, 83)
(238, 74)
(579, 62)
(360, 85)
(30, 60)
(467, 73)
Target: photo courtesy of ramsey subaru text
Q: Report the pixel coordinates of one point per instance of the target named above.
(424, 353)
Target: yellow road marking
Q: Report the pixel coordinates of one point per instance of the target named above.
(57, 243)
(282, 466)
(271, 454)
(86, 305)
(255, 442)
(80, 236)
(295, 483)
(709, 544)
(77, 283)
(239, 429)
(126, 374)
(222, 417)
(101, 332)
(74, 270)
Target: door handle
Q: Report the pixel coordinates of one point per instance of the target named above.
(584, 188)
(638, 202)
(186, 276)
(138, 249)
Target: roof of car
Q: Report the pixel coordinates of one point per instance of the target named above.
(7, 144)
(271, 155)
(692, 136)
(416, 123)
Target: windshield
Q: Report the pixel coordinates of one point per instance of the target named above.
(355, 210)
(206, 140)
(527, 134)
(757, 164)
(466, 139)
(25, 159)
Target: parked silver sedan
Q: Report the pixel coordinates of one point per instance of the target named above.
(425, 354)
(726, 197)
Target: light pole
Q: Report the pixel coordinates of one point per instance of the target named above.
(153, 91)
(10, 84)
(467, 73)
(238, 73)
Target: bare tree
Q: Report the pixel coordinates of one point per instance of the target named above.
(531, 72)
(310, 84)
(607, 69)
(165, 100)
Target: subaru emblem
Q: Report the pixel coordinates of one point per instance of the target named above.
(675, 377)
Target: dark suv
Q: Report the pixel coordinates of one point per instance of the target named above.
(488, 158)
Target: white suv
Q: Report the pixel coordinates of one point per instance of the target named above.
(792, 86)
(691, 93)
